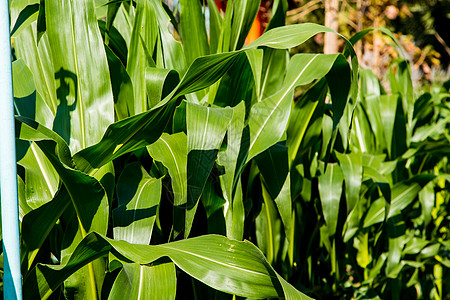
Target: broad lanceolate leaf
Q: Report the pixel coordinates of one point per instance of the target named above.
(206, 128)
(38, 59)
(301, 115)
(288, 36)
(41, 180)
(244, 13)
(351, 166)
(84, 92)
(125, 136)
(226, 265)
(229, 157)
(330, 189)
(136, 282)
(233, 209)
(87, 194)
(193, 31)
(37, 224)
(171, 150)
(142, 44)
(138, 196)
(268, 119)
(121, 85)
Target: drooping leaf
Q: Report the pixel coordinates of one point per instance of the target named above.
(243, 271)
(125, 136)
(159, 83)
(171, 150)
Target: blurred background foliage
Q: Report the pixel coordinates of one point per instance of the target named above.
(421, 26)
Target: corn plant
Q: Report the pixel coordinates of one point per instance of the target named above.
(137, 152)
(161, 157)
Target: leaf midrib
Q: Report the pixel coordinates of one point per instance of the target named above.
(176, 165)
(279, 101)
(215, 261)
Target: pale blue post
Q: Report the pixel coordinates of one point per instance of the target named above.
(12, 279)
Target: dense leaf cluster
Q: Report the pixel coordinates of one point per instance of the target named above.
(145, 161)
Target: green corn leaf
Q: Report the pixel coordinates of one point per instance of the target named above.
(235, 215)
(138, 196)
(38, 59)
(228, 158)
(193, 31)
(171, 150)
(206, 128)
(352, 169)
(37, 224)
(330, 189)
(274, 167)
(244, 13)
(275, 62)
(172, 56)
(25, 17)
(145, 282)
(141, 130)
(236, 85)
(142, 44)
(41, 180)
(268, 228)
(268, 119)
(243, 271)
(84, 92)
(215, 26)
(159, 83)
(301, 115)
(279, 10)
(403, 193)
(121, 85)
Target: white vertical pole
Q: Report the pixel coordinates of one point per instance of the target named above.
(12, 279)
